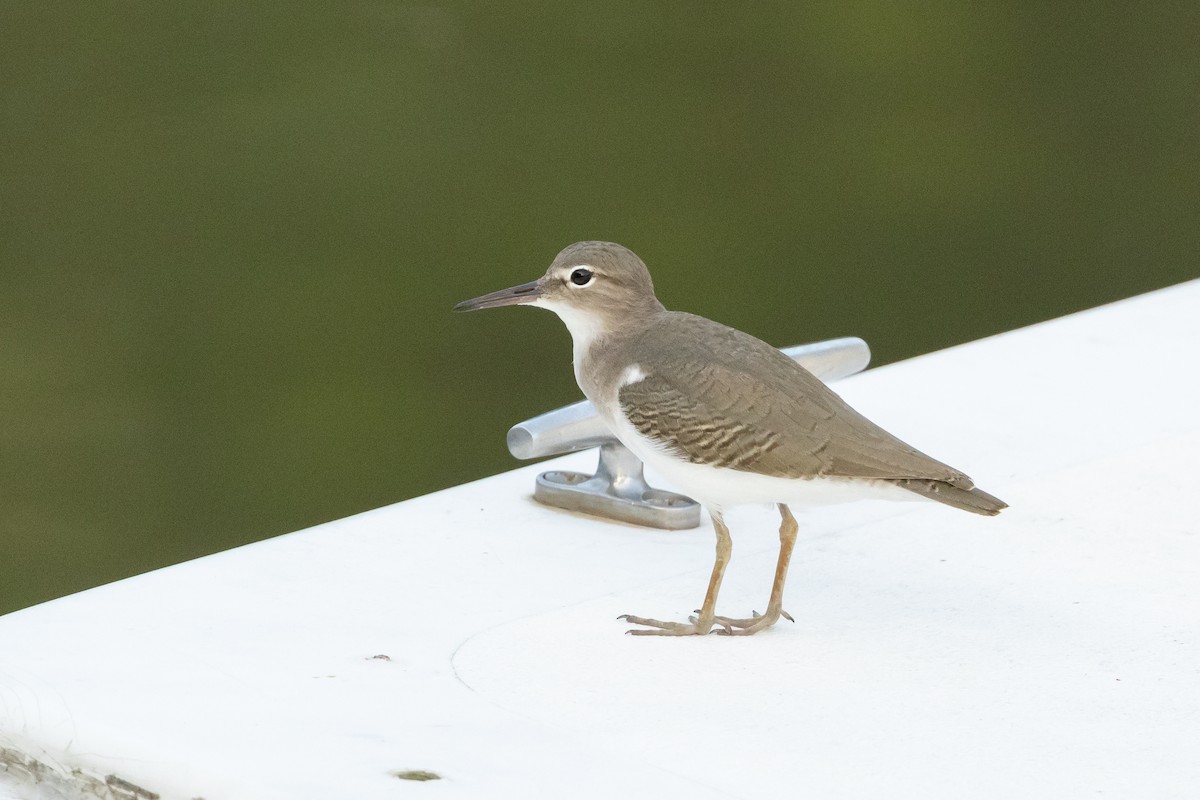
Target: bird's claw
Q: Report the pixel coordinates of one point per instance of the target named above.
(654, 627)
(752, 624)
(721, 626)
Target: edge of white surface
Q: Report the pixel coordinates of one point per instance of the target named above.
(464, 699)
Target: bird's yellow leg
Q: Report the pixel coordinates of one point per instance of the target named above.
(702, 624)
(747, 627)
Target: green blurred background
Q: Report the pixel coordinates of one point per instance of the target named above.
(232, 232)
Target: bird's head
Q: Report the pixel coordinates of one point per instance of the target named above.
(592, 286)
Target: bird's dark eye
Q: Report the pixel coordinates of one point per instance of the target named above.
(581, 276)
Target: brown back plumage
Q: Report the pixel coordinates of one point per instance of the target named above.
(720, 397)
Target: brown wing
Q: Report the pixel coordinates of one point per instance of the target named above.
(720, 397)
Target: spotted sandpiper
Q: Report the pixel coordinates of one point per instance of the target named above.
(723, 415)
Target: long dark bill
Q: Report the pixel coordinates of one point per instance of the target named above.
(525, 293)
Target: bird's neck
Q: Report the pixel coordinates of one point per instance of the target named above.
(585, 328)
(597, 336)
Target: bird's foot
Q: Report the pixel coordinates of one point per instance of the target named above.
(693, 627)
(732, 626)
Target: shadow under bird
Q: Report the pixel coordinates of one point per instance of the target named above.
(723, 415)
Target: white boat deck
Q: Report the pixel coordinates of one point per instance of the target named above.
(1052, 652)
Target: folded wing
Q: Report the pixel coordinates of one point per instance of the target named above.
(743, 405)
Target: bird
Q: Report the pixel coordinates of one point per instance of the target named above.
(721, 414)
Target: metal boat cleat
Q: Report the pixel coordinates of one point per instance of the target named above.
(618, 490)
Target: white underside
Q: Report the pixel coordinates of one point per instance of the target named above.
(719, 488)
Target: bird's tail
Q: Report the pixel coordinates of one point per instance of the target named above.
(976, 501)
